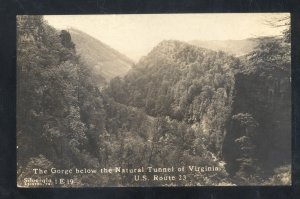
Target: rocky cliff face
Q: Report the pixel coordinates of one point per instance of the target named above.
(265, 97)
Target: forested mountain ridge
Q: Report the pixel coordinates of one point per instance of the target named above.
(105, 61)
(235, 104)
(184, 82)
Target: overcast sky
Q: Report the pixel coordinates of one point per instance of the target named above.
(135, 35)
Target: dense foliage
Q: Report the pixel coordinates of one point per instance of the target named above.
(64, 120)
(262, 97)
(183, 82)
(235, 104)
(50, 102)
(180, 105)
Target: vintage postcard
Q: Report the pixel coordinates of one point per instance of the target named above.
(153, 100)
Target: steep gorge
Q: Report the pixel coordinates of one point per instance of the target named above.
(180, 105)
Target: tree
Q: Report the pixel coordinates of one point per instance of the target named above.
(279, 22)
(66, 39)
(246, 159)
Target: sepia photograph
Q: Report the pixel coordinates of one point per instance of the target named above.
(153, 100)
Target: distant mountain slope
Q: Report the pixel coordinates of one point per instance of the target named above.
(233, 47)
(107, 62)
